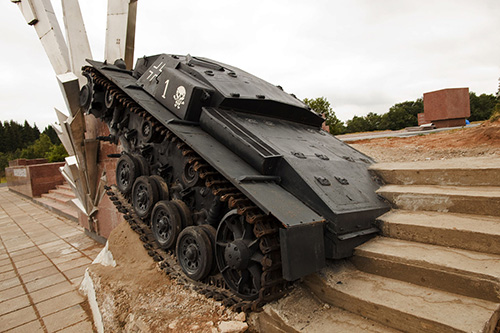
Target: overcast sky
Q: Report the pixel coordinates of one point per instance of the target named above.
(362, 55)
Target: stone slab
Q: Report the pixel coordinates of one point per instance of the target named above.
(463, 272)
(470, 232)
(480, 200)
(402, 305)
(460, 171)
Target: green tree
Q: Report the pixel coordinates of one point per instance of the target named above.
(482, 106)
(321, 106)
(402, 115)
(54, 138)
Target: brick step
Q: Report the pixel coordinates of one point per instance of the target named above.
(480, 200)
(464, 272)
(301, 311)
(57, 197)
(401, 305)
(459, 172)
(470, 232)
(67, 210)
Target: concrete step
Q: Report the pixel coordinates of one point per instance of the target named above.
(464, 272)
(401, 305)
(460, 172)
(57, 197)
(301, 311)
(470, 232)
(68, 210)
(480, 200)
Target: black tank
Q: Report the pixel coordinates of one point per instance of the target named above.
(232, 173)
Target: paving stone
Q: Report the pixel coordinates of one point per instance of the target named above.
(76, 272)
(52, 244)
(83, 326)
(74, 263)
(30, 261)
(59, 303)
(28, 277)
(64, 318)
(7, 275)
(67, 257)
(32, 326)
(25, 254)
(44, 282)
(52, 291)
(6, 268)
(9, 283)
(17, 318)
(34, 267)
(11, 293)
(14, 304)
(4, 262)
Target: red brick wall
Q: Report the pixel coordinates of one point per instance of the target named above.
(107, 216)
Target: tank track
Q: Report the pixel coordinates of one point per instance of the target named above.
(265, 227)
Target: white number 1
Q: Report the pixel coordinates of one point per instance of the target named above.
(165, 90)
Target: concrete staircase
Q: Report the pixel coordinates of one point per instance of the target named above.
(59, 201)
(436, 265)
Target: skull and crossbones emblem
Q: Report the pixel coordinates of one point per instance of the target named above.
(179, 96)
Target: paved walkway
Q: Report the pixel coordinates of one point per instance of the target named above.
(42, 261)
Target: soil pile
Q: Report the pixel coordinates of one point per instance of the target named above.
(483, 140)
(136, 296)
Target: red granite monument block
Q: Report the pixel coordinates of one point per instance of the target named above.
(447, 107)
(32, 179)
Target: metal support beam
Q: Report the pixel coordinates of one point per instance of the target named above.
(78, 43)
(40, 14)
(120, 31)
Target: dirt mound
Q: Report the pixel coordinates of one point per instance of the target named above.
(483, 140)
(136, 296)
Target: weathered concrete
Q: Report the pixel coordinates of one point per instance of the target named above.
(480, 200)
(402, 305)
(461, 171)
(459, 271)
(470, 232)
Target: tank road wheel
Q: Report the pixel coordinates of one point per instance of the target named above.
(127, 171)
(238, 255)
(185, 213)
(194, 252)
(144, 196)
(164, 193)
(166, 224)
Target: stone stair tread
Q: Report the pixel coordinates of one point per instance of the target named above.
(467, 222)
(301, 311)
(465, 163)
(64, 186)
(64, 192)
(56, 197)
(480, 200)
(472, 232)
(476, 191)
(473, 264)
(67, 209)
(402, 305)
